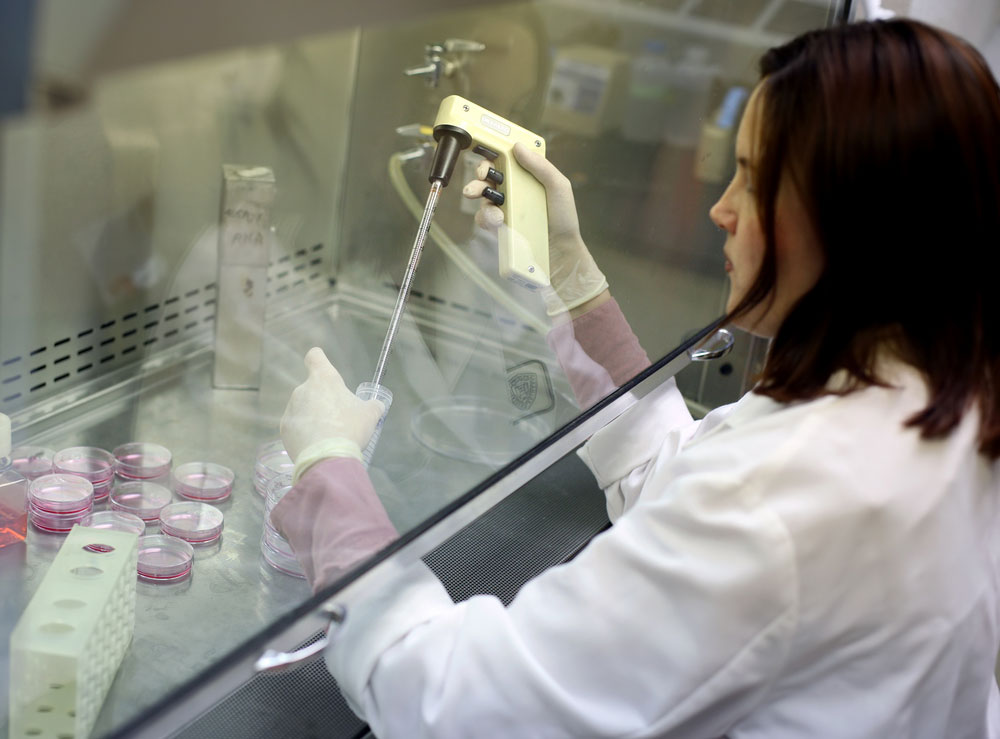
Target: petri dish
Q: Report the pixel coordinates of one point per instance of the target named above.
(272, 461)
(61, 494)
(138, 460)
(142, 499)
(164, 558)
(55, 523)
(32, 461)
(93, 463)
(196, 523)
(475, 429)
(203, 481)
(115, 521)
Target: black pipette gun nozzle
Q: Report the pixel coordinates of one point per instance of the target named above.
(451, 141)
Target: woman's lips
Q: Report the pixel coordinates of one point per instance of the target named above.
(729, 266)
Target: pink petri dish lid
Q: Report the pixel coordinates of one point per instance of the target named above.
(197, 523)
(142, 499)
(164, 558)
(61, 494)
(97, 465)
(141, 461)
(115, 521)
(32, 461)
(203, 481)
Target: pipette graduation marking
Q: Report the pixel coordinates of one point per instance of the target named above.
(407, 284)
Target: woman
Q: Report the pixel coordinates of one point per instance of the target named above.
(821, 558)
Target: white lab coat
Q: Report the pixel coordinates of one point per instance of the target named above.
(804, 570)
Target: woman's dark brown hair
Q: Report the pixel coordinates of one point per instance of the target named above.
(891, 133)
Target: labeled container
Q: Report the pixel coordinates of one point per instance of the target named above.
(95, 464)
(203, 481)
(139, 460)
(58, 502)
(13, 493)
(164, 559)
(275, 549)
(195, 523)
(272, 461)
(140, 498)
(32, 461)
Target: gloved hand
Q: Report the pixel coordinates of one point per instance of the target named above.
(573, 273)
(324, 419)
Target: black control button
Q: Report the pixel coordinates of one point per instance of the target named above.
(485, 152)
(493, 196)
(494, 176)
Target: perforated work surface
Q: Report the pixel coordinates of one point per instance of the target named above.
(544, 523)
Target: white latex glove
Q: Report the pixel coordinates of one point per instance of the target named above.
(324, 419)
(574, 274)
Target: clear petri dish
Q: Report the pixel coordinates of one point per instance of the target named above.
(32, 461)
(93, 463)
(164, 558)
(142, 499)
(139, 460)
(196, 523)
(61, 494)
(56, 523)
(203, 481)
(272, 461)
(475, 429)
(279, 555)
(115, 521)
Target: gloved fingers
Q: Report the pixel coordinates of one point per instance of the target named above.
(319, 367)
(489, 216)
(474, 188)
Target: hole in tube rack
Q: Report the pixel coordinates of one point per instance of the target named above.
(128, 350)
(460, 306)
(147, 342)
(301, 252)
(436, 299)
(151, 324)
(284, 259)
(39, 368)
(45, 709)
(32, 731)
(9, 398)
(283, 274)
(109, 324)
(85, 332)
(39, 350)
(282, 288)
(210, 286)
(171, 317)
(84, 368)
(36, 387)
(210, 301)
(416, 293)
(71, 713)
(207, 319)
(129, 316)
(108, 341)
(130, 332)
(298, 282)
(10, 361)
(299, 267)
(60, 360)
(85, 350)
(61, 377)
(55, 627)
(170, 333)
(174, 299)
(107, 358)
(65, 735)
(315, 262)
(192, 293)
(56, 686)
(86, 572)
(98, 548)
(314, 275)
(191, 308)
(61, 342)
(190, 326)
(482, 313)
(150, 308)
(317, 247)
(11, 379)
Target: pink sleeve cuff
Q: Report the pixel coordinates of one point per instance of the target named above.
(333, 519)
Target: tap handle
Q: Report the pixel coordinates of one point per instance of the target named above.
(461, 45)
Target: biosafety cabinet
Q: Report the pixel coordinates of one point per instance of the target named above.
(193, 194)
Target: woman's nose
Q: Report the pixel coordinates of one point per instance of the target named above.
(722, 216)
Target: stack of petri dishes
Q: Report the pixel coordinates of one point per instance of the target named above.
(142, 499)
(139, 460)
(203, 481)
(272, 460)
(32, 461)
(58, 502)
(91, 463)
(276, 550)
